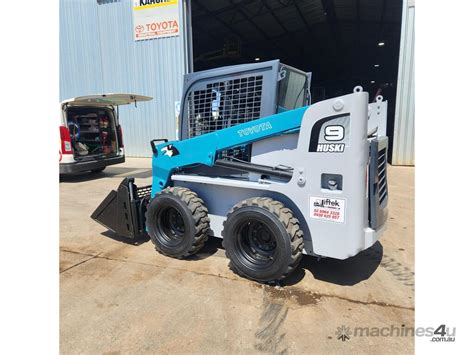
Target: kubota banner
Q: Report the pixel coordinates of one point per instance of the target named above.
(155, 19)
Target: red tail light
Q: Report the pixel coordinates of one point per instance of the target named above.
(119, 136)
(66, 146)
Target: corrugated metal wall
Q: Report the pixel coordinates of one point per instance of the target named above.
(404, 128)
(98, 54)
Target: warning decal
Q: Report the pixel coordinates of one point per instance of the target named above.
(328, 209)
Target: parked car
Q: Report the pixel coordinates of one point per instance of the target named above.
(90, 132)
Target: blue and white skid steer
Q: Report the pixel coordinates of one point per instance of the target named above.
(259, 166)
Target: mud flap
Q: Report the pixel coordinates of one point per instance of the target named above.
(123, 210)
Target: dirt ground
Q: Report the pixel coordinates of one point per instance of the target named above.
(117, 297)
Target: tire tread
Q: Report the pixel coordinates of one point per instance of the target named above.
(200, 216)
(289, 221)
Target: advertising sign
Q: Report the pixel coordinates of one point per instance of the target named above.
(328, 209)
(155, 19)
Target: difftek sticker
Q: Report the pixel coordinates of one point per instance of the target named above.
(328, 209)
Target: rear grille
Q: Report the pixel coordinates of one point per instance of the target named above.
(378, 188)
(225, 104)
(382, 175)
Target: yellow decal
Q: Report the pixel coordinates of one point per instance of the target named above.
(150, 6)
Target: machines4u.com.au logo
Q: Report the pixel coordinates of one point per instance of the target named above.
(441, 333)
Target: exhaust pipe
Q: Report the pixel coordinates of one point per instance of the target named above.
(123, 210)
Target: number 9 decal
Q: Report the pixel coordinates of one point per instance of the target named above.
(334, 133)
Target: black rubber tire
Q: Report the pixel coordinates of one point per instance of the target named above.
(283, 226)
(96, 171)
(193, 217)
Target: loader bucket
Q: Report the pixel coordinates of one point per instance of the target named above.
(123, 210)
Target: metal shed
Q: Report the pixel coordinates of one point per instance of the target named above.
(403, 152)
(343, 42)
(98, 54)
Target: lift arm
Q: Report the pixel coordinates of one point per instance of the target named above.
(169, 156)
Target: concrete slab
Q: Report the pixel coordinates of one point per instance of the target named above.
(120, 297)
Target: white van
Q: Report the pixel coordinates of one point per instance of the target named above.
(90, 132)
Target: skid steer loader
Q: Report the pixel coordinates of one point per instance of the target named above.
(258, 165)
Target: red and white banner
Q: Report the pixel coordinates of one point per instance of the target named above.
(155, 19)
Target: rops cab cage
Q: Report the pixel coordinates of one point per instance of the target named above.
(224, 97)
